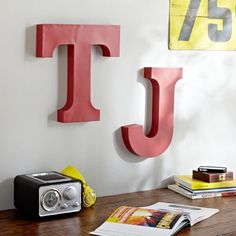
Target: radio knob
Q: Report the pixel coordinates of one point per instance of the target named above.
(76, 204)
(64, 206)
(70, 193)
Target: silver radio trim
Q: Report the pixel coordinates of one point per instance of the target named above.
(58, 201)
(35, 175)
(73, 205)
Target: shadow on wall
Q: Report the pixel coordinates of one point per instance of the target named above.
(7, 193)
(30, 43)
(120, 147)
(167, 181)
(148, 100)
(62, 82)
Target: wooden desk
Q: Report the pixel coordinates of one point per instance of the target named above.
(223, 223)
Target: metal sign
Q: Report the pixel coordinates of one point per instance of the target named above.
(202, 25)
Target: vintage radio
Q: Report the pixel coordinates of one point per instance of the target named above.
(47, 194)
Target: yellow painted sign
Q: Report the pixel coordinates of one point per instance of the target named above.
(202, 25)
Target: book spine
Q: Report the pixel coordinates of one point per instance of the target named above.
(194, 184)
(212, 195)
(228, 194)
(206, 195)
(193, 196)
(212, 190)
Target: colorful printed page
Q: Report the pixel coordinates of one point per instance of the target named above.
(195, 214)
(127, 221)
(144, 217)
(163, 219)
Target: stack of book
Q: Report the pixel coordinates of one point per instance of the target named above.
(205, 185)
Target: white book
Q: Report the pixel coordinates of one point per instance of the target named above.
(160, 219)
(201, 194)
(191, 195)
(233, 189)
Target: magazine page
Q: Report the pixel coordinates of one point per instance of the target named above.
(135, 221)
(196, 214)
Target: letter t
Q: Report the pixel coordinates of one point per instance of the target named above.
(79, 40)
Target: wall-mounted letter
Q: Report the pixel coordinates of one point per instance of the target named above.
(79, 40)
(157, 141)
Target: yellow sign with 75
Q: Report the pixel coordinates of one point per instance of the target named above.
(202, 25)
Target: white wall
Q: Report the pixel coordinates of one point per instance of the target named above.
(32, 89)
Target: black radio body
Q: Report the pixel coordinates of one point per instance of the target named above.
(47, 194)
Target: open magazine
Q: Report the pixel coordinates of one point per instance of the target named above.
(163, 219)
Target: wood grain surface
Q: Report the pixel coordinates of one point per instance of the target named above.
(14, 223)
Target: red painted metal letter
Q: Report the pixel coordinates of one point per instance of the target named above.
(79, 39)
(157, 141)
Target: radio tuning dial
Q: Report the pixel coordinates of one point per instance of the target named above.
(50, 200)
(70, 193)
